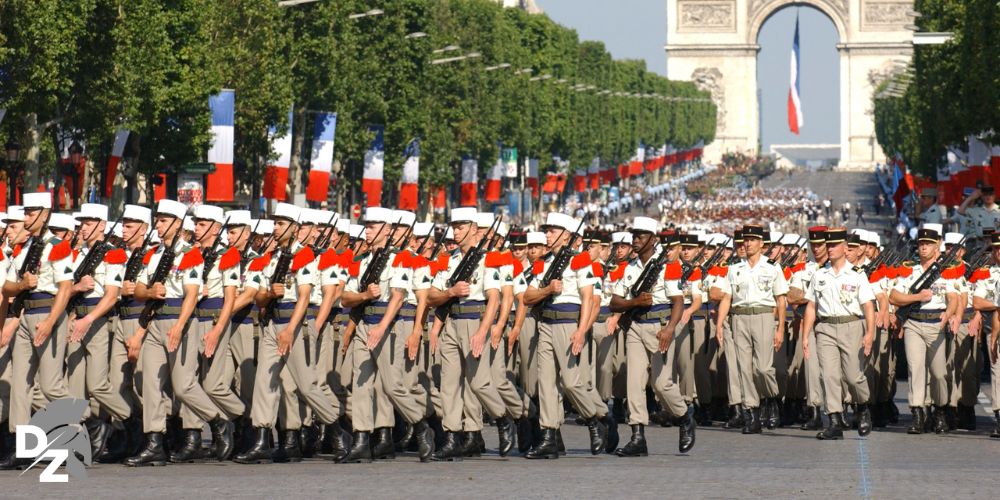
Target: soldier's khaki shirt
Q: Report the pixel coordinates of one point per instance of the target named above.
(839, 292)
(105, 275)
(177, 278)
(940, 288)
(479, 283)
(754, 286)
(984, 217)
(572, 281)
(662, 291)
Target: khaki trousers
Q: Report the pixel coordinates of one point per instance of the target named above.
(691, 361)
(459, 366)
(220, 372)
(88, 371)
(557, 364)
(241, 351)
(609, 367)
(842, 361)
(967, 366)
(813, 375)
(36, 365)
(754, 338)
(503, 380)
(417, 373)
(527, 345)
(718, 374)
(733, 384)
(387, 360)
(927, 363)
(796, 386)
(648, 366)
(6, 373)
(125, 376)
(177, 370)
(327, 375)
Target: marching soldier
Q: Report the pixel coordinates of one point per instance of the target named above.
(985, 300)
(981, 216)
(798, 286)
(690, 366)
(840, 304)
(526, 337)
(964, 355)
(754, 293)
(924, 331)
(649, 335)
(930, 211)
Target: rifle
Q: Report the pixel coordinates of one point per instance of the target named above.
(281, 268)
(561, 260)
(926, 280)
(32, 262)
(792, 256)
(159, 276)
(134, 264)
(380, 258)
(213, 253)
(464, 270)
(93, 258)
(689, 266)
(324, 240)
(644, 284)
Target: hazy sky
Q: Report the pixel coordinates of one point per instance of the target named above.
(637, 29)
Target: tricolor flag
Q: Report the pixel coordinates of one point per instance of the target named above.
(117, 150)
(411, 173)
(580, 180)
(494, 180)
(322, 156)
(371, 178)
(276, 172)
(635, 164)
(220, 183)
(794, 101)
(594, 173)
(470, 174)
(532, 178)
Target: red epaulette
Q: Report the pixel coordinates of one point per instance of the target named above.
(718, 271)
(328, 259)
(538, 267)
(302, 258)
(797, 268)
(345, 258)
(116, 256)
(508, 257)
(230, 259)
(149, 254)
(580, 261)
(787, 272)
(354, 268)
(60, 251)
(518, 267)
(979, 274)
(673, 271)
(493, 259)
(954, 272)
(191, 258)
(402, 259)
(261, 262)
(441, 264)
(597, 269)
(76, 253)
(418, 261)
(695, 275)
(17, 250)
(904, 271)
(618, 272)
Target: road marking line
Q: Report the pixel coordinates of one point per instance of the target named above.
(864, 481)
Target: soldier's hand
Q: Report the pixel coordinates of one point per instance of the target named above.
(278, 289)
(42, 331)
(8, 332)
(805, 347)
(881, 319)
(555, 287)
(925, 295)
(975, 325)
(433, 343)
(779, 338)
(86, 284)
(612, 324)
(413, 344)
(665, 336)
(461, 289)
(128, 288)
(80, 328)
(375, 334)
(478, 343)
(29, 281)
(576, 342)
(496, 335)
(345, 342)
(718, 334)
(212, 341)
(374, 291)
(158, 291)
(686, 316)
(134, 345)
(868, 342)
(512, 337)
(645, 299)
(174, 337)
(284, 341)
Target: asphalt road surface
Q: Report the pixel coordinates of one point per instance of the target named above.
(785, 463)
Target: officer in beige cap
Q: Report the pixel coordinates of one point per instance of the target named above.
(930, 211)
(840, 303)
(43, 290)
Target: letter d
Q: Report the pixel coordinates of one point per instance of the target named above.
(22, 432)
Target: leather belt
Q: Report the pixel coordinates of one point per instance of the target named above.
(283, 313)
(604, 314)
(839, 320)
(653, 314)
(750, 310)
(928, 316)
(407, 313)
(471, 309)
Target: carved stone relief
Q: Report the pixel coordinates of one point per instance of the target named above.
(710, 79)
(713, 15)
(876, 15)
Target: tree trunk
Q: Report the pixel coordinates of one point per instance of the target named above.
(299, 129)
(33, 154)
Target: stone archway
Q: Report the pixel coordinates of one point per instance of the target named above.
(714, 44)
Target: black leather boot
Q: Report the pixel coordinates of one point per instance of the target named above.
(833, 431)
(11, 462)
(736, 420)
(383, 447)
(879, 417)
(966, 417)
(423, 436)
(291, 449)
(686, 424)
(451, 448)
(99, 431)
(470, 445)
(814, 421)
(547, 447)
(619, 410)
(701, 415)
(136, 438)
(613, 437)
(560, 445)
(152, 454)
(598, 435)
(309, 441)
(774, 414)
(764, 412)
(940, 420)
(406, 438)
(222, 436)
(864, 419)
(260, 451)
(919, 421)
(524, 434)
(190, 449)
(361, 451)
(996, 429)
(636, 447)
(892, 412)
(505, 430)
(335, 437)
(751, 421)
(951, 417)
(115, 450)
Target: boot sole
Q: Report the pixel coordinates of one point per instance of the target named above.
(632, 455)
(446, 459)
(252, 462)
(543, 457)
(158, 463)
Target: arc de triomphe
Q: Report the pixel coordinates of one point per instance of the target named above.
(714, 44)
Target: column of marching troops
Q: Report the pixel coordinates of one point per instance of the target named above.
(306, 335)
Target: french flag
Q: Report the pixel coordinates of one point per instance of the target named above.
(322, 157)
(411, 173)
(494, 181)
(276, 173)
(794, 101)
(594, 173)
(220, 183)
(117, 151)
(371, 177)
(532, 179)
(470, 174)
(580, 180)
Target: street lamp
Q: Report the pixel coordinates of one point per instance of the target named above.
(293, 3)
(449, 48)
(75, 153)
(498, 66)
(13, 150)
(370, 13)
(415, 34)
